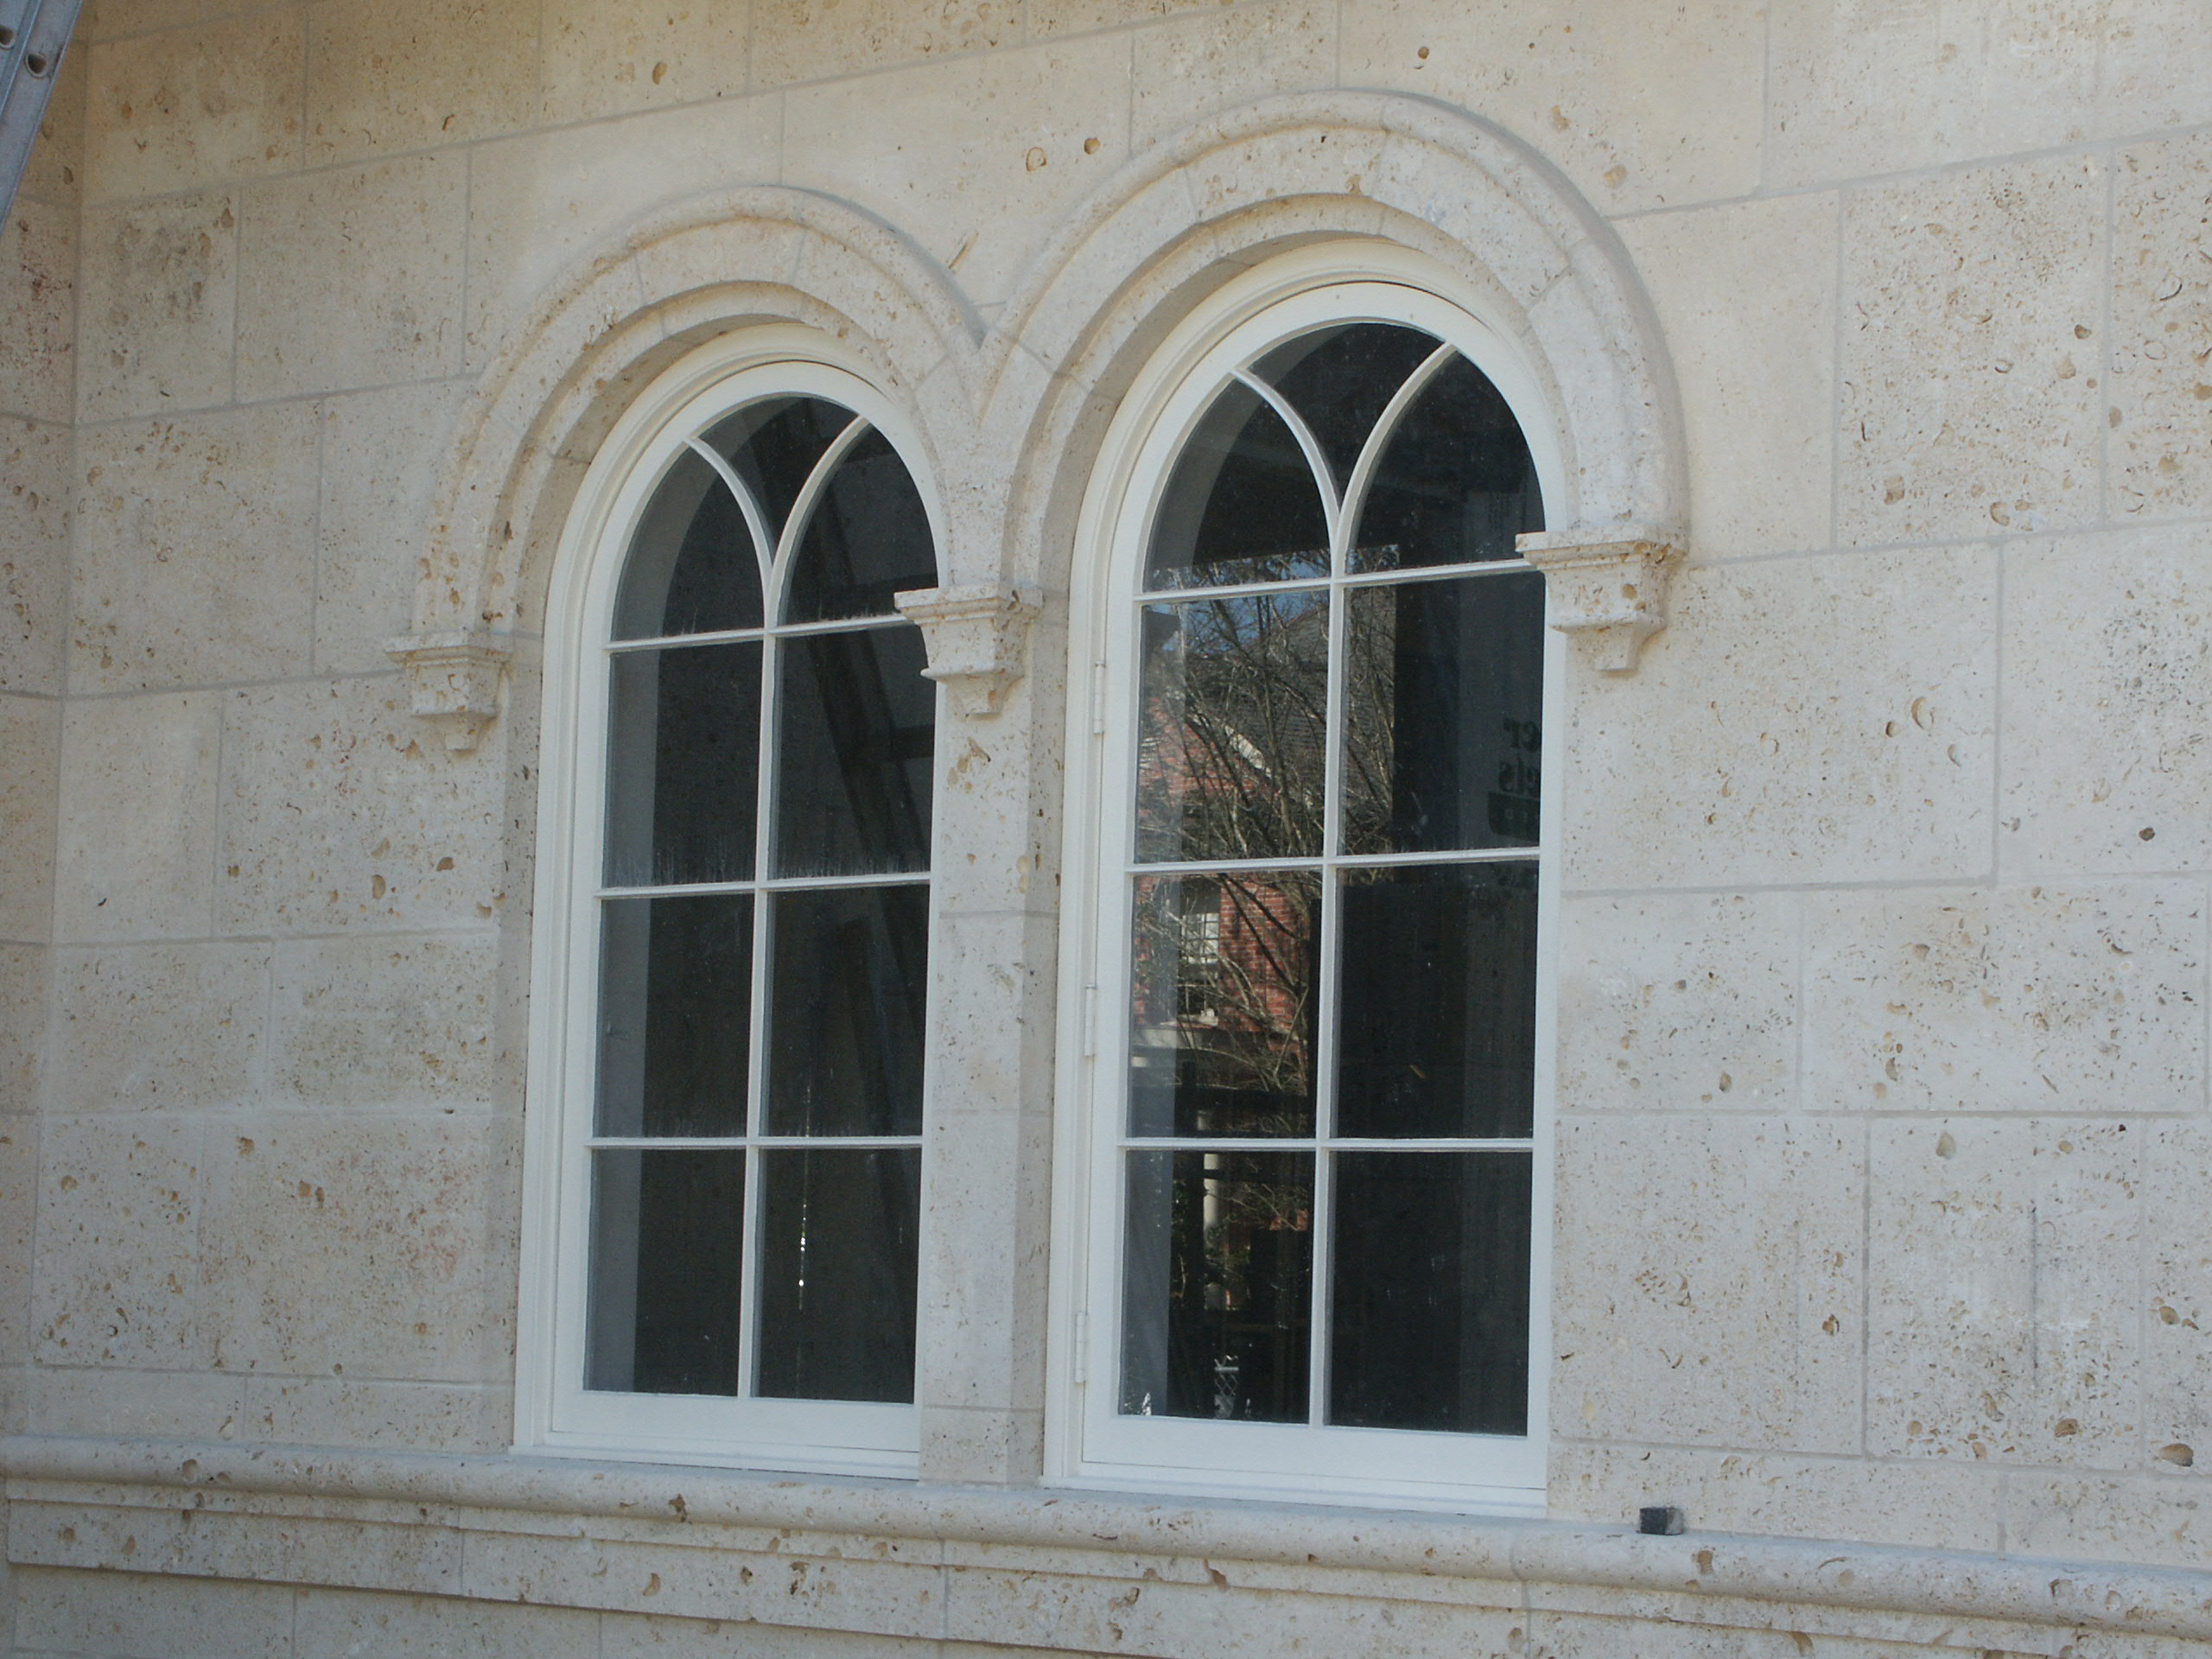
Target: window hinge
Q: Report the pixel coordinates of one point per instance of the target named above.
(1098, 699)
(1090, 1019)
(1082, 1348)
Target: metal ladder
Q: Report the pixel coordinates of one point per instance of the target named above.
(33, 34)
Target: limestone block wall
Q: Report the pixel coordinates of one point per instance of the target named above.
(1882, 988)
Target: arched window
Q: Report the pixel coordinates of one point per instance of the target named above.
(1314, 1152)
(741, 906)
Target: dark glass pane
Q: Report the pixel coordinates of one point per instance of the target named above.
(1340, 380)
(692, 567)
(1455, 484)
(1241, 503)
(855, 753)
(1232, 751)
(1444, 708)
(773, 446)
(1223, 1019)
(837, 1255)
(668, 1231)
(1438, 1027)
(682, 740)
(867, 539)
(675, 1009)
(845, 1011)
(1429, 1296)
(1217, 1315)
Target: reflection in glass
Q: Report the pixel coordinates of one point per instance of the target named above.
(692, 567)
(1216, 1309)
(773, 446)
(1444, 692)
(1226, 978)
(1429, 1294)
(683, 740)
(1232, 751)
(668, 1231)
(1455, 484)
(845, 1009)
(854, 738)
(1340, 380)
(675, 1007)
(867, 538)
(1241, 503)
(837, 1263)
(1438, 1015)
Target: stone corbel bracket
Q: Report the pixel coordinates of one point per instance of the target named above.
(452, 681)
(1607, 585)
(978, 636)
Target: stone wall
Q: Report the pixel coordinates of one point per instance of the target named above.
(1883, 986)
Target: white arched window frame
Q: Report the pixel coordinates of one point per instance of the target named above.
(555, 1411)
(1091, 1439)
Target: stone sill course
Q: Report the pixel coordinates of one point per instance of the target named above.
(90, 1503)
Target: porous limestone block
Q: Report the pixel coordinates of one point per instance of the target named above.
(2155, 69)
(108, 20)
(816, 40)
(117, 1276)
(135, 851)
(1865, 86)
(30, 738)
(35, 512)
(2177, 1293)
(18, 1210)
(2161, 318)
(192, 107)
(342, 809)
(603, 58)
(132, 1404)
(240, 1540)
(345, 1623)
(1970, 401)
(994, 153)
(1215, 60)
(1709, 1278)
(1047, 18)
(2066, 997)
(1874, 674)
(1778, 1495)
(156, 1027)
(195, 550)
(994, 981)
(22, 1027)
(631, 1636)
(1746, 299)
(1679, 1003)
(394, 1416)
(139, 1615)
(1641, 109)
(991, 1446)
(367, 1246)
(408, 74)
(160, 306)
(387, 1020)
(352, 277)
(982, 1292)
(2108, 647)
(2145, 1520)
(2005, 1291)
(38, 264)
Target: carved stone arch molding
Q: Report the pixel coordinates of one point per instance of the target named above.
(1502, 221)
(604, 331)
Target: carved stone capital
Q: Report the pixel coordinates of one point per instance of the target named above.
(453, 680)
(978, 636)
(1607, 585)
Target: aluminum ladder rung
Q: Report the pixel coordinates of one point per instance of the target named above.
(33, 34)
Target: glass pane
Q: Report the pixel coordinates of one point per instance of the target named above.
(682, 739)
(1223, 1020)
(867, 539)
(692, 567)
(1241, 503)
(1339, 380)
(1232, 751)
(1216, 1314)
(1438, 1027)
(855, 753)
(675, 1009)
(1444, 707)
(1429, 1298)
(845, 1011)
(838, 1253)
(668, 1231)
(773, 446)
(1455, 484)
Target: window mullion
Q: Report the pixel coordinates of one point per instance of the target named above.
(764, 956)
